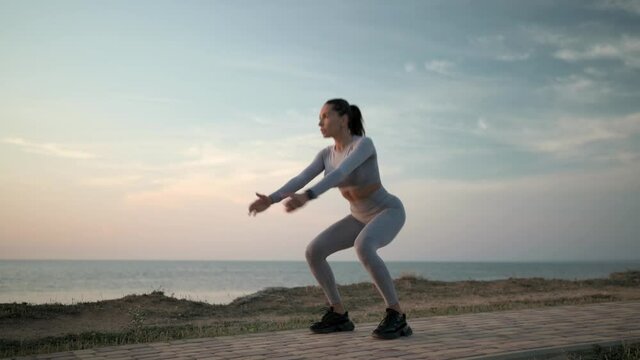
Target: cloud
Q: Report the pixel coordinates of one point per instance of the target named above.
(579, 88)
(209, 171)
(574, 136)
(623, 157)
(578, 48)
(183, 190)
(496, 47)
(594, 72)
(620, 178)
(597, 51)
(571, 136)
(281, 66)
(442, 67)
(194, 157)
(261, 121)
(409, 67)
(150, 98)
(112, 181)
(550, 36)
(204, 155)
(632, 6)
(482, 124)
(625, 49)
(566, 215)
(48, 149)
(513, 56)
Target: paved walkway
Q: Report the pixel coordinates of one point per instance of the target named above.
(523, 334)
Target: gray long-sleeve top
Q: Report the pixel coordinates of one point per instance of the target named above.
(355, 165)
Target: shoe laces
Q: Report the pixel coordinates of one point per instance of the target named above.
(327, 312)
(389, 318)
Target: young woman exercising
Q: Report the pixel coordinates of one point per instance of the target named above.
(376, 217)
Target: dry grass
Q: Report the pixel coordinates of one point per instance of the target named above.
(620, 352)
(29, 329)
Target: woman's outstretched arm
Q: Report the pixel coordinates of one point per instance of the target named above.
(361, 152)
(296, 183)
(302, 179)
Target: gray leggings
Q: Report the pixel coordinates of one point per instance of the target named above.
(373, 223)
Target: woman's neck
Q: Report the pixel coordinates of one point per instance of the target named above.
(343, 141)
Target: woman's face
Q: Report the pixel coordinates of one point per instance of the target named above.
(331, 123)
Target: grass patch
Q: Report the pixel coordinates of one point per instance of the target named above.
(619, 352)
(156, 317)
(35, 312)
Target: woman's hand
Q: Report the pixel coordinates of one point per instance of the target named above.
(261, 204)
(296, 201)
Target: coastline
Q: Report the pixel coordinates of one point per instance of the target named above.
(29, 329)
(220, 282)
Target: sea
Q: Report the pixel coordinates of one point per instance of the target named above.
(220, 282)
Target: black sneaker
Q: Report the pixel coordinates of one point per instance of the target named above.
(332, 322)
(392, 326)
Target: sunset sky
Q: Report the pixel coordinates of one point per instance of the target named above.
(142, 129)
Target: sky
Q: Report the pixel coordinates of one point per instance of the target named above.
(142, 129)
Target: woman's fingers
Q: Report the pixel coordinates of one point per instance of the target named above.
(254, 208)
(260, 204)
(292, 204)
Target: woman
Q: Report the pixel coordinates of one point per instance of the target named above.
(376, 216)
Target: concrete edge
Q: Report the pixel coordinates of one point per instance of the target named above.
(552, 352)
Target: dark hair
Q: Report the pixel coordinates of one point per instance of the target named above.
(342, 107)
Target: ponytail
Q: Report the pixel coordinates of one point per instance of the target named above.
(342, 107)
(355, 121)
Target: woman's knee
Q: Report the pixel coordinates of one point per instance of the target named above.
(364, 250)
(313, 253)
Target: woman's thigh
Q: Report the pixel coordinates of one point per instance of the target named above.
(382, 229)
(339, 236)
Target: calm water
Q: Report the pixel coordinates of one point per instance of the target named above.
(72, 281)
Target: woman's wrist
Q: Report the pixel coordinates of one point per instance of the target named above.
(310, 194)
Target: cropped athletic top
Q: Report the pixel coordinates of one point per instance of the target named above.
(355, 165)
